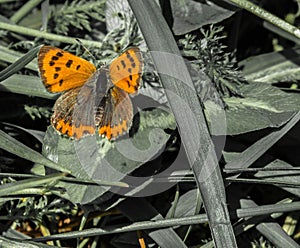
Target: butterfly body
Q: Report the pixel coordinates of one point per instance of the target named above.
(93, 101)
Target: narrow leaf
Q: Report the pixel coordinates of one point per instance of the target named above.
(14, 146)
(19, 64)
(249, 156)
(26, 85)
(12, 188)
(188, 113)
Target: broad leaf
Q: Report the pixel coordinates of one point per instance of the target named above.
(262, 106)
(99, 160)
(190, 15)
(273, 67)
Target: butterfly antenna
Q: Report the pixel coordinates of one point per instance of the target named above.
(85, 49)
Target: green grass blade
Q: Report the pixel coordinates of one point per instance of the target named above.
(19, 64)
(39, 135)
(286, 173)
(14, 146)
(14, 187)
(265, 15)
(6, 242)
(24, 10)
(200, 151)
(26, 85)
(251, 154)
(163, 237)
(69, 179)
(270, 229)
(190, 220)
(12, 56)
(50, 36)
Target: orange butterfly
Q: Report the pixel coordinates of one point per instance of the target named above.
(92, 99)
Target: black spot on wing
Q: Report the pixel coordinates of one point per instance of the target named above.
(77, 124)
(131, 59)
(123, 63)
(59, 129)
(69, 63)
(104, 133)
(51, 63)
(75, 135)
(54, 58)
(77, 67)
(55, 76)
(86, 132)
(57, 69)
(60, 82)
(59, 54)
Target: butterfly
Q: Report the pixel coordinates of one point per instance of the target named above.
(92, 101)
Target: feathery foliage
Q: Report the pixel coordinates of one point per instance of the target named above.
(208, 55)
(76, 16)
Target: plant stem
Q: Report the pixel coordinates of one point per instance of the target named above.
(7, 1)
(187, 220)
(267, 16)
(24, 10)
(45, 35)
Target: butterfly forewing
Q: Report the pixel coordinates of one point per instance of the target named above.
(125, 71)
(61, 71)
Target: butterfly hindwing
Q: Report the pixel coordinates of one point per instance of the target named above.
(62, 117)
(125, 71)
(61, 71)
(74, 111)
(117, 114)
